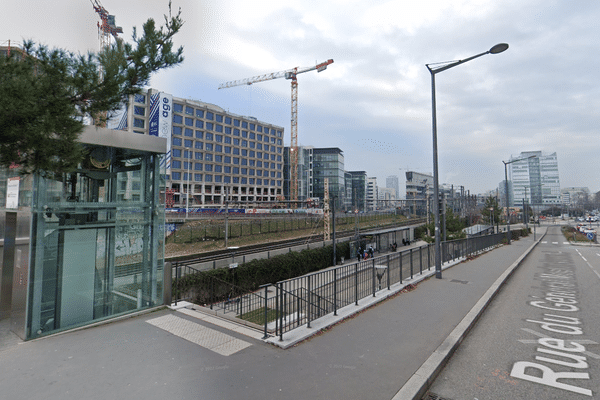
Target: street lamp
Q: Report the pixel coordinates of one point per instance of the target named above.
(508, 237)
(434, 69)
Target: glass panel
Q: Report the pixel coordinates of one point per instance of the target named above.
(98, 235)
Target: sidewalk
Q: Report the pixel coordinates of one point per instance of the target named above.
(391, 351)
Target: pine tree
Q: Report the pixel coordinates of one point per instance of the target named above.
(46, 95)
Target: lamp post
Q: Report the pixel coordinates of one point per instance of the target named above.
(434, 69)
(508, 236)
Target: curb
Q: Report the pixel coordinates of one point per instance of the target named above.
(421, 380)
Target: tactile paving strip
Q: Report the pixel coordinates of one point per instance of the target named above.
(208, 338)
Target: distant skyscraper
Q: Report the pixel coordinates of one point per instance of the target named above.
(392, 183)
(535, 179)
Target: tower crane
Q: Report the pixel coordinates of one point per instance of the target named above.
(287, 74)
(105, 29)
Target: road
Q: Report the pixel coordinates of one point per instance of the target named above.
(540, 336)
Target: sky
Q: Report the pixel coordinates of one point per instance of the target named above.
(374, 102)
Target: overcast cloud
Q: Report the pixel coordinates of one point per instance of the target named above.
(374, 102)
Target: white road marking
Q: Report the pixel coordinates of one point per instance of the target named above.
(208, 338)
(579, 341)
(589, 265)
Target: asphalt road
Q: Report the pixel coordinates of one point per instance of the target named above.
(539, 338)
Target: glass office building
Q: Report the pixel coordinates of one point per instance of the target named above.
(210, 150)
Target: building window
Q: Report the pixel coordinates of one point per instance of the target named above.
(228, 149)
(139, 98)
(189, 110)
(198, 166)
(244, 125)
(236, 151)
(219, 128)
(208, 167)
(209, 147)
(236, 170)
(176, 152)
(209, 136)
(259, 128)
(207, 178)
(198, 177)
(177, 119)
(228, 130)
(176, 141)
(251, 181)
(236, 122)
(218, 158)
(199, 124)
(199, 135)
(208, 157)
(198, 155)
(189, 121)
(236, 160)
(219, 138)
(209, 126)
(252, 145)
(228, 139)
(236, 132)
(177, 130)
(188, 143)
(138, 123)
(176, 164)
(252, 135)
(209, 115)
(218, 178)
(228, 120)
(244, 152)
(189, 132)
(198, 145)
(176, 176)
(199, 114)
(218, 168)
(137, 110)
(227, 160)
(177, 107)
(227, 169)
(219, 118)
(218, 148)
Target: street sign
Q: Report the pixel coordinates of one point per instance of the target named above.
(590, 235)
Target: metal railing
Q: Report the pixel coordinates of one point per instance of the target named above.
(304, 299)
(289, 304)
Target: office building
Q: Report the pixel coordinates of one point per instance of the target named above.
(419, 191)
(359, 190)
(535, 179)
(372, 195)
(211, 152)
(392, 183)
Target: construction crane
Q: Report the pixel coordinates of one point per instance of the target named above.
(107, 28)
(287, 74)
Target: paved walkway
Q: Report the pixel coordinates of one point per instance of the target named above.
(390, 351)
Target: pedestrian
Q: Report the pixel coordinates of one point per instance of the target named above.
(371, 252)
(358, 254)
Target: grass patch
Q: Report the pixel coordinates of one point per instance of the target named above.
(258, 316)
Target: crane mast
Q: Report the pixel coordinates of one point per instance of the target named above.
(287, 74)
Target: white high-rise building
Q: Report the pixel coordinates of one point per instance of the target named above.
(535, 180)
(392, 183)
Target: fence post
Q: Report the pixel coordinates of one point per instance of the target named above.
(421, 260)
(212, 291)
(281, 314)
(401, 257)
(356, 283)
(266, 315)
(411, 263)
(308, 303)
(428, 257)
(176, 282)
(373, 278)
(388, 269)
(335, 291)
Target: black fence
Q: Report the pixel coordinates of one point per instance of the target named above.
(286, 305)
